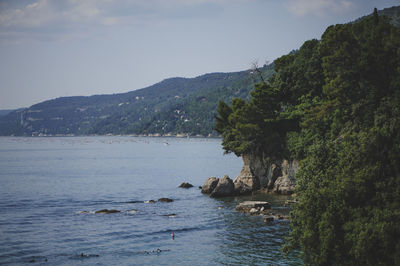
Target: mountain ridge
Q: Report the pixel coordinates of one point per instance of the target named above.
(173, 106)
(134, 112)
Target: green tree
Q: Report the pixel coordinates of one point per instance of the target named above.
(335, 105)
(349, 181)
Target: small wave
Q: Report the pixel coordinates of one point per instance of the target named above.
(133, 211)
(85, 212)
(106, 211)
(134, 201)
(84, 256)
(155, 251)
(165, 232)
(77, 256)
(34, 259)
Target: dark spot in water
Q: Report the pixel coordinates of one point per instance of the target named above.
(165, 200)
(134, 201)
(106, 211)
(170, 215)
(38, 259)
(84, 256)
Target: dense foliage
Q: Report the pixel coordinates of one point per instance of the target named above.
(335, 106)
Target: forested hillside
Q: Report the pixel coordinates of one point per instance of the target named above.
(335, 106)
(173, 106)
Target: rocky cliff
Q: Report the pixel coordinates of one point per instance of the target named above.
(257, 172)
(273, 175)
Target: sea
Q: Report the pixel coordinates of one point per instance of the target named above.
(52, 187)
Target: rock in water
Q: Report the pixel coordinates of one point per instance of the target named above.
(186, 185)
(106, 211)
(268, 219)
(171, 215)
(209, 185)
(165, 200)
(247, 206)
(223, 188)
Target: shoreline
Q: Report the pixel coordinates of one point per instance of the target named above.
(117, 135)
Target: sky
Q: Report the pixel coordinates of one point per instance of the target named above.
(56, 48)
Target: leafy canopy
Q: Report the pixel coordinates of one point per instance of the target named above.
(335, 106)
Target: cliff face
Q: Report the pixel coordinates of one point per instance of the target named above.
(260, 172)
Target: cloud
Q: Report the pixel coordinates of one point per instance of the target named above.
(32, 15)
(318, 7)
(56, 18)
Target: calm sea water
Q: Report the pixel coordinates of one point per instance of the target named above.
(51, 187)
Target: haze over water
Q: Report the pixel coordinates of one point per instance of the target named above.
(51, 187)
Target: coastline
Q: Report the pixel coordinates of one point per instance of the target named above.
(157, 135)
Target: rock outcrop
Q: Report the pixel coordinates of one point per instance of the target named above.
(165, 200)
(219, 187)
(223, 188)
(185, 185)
(259, 172)
(106, 211)
(209, 185)
(246, 182)
(285, 183)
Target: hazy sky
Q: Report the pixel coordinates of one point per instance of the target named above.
(59, 48)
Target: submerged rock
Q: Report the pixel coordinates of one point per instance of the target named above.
(268, 219)
(263, 209)
(149, 201)
(253, 207)
(185, 185)
(165, 200)
(291, 201)
(106, 211)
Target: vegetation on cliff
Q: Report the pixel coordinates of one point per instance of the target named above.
(334, 105)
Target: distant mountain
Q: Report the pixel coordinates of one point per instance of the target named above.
(6, 112)
(173, 106)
